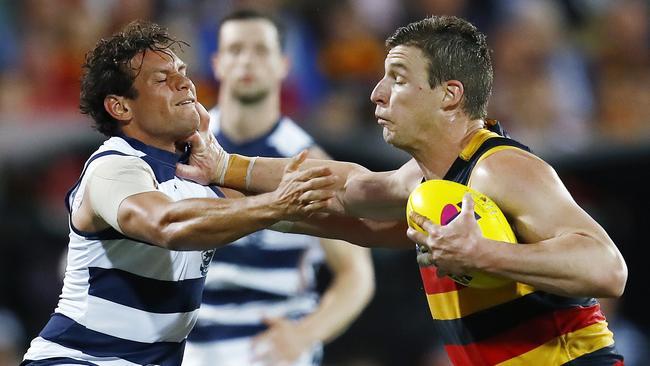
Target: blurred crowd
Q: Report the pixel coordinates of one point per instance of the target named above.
(570, 76)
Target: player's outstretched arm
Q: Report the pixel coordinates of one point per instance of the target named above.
(359, 191)
(195, 224)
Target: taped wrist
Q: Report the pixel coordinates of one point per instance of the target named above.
(238, 171)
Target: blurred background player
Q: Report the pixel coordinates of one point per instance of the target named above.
(260, 304)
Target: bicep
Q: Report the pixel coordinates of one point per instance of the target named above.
(140, 215)
(532, 196)
(113, 181)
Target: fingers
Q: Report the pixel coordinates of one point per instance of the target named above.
(424, 222)
(188, 172)
(271, 321)
(196, 141)
(315, 207)
(314, 195)
(320, 182)
(425, 259)
(468, 205)
(416, 236)
(295, 162)
(204, 117)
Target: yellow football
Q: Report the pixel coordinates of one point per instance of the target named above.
(440, 201)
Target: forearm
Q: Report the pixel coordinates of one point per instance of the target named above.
(350, 292)
(266, 173)
(573, 264)
(363, 232)
(198, 224)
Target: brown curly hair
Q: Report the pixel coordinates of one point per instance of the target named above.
(108, 69)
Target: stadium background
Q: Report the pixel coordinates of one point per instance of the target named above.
(572, 80)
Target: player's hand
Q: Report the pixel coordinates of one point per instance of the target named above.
(302, 193)
(452, 248)
(208, 160)
(281, 344)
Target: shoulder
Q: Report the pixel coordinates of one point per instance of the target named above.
(116, 167)
(514, 177)
(289, 138)
(511, 164)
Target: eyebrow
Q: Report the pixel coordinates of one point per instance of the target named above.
(398, 65)
(167, 70)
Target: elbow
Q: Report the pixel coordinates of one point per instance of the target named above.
(612, 283)
(168, 231)
(618, 280)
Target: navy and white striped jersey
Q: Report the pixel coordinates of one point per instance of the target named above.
(266, 273)
(125, 302)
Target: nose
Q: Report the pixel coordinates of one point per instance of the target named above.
(380, 93)
(183, 82)
(247, 57)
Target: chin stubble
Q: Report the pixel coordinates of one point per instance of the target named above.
(254, 98)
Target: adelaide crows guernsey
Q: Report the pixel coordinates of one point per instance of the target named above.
(514, 324)
(125, 302)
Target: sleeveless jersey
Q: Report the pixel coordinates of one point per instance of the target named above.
(514, 324)
(266, 273)
(125, 302)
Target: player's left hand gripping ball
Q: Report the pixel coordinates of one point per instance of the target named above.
(440, 202)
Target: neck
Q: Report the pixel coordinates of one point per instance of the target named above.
(147, 139)
(242, 122)
(435, 159)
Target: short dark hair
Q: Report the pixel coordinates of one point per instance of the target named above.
(108, 69)
(250, 14)
(455, 50)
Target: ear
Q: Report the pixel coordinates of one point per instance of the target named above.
(118, 107)
(453, 91)
(286, 66)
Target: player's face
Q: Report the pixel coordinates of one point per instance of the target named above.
(165, 106)
(406, 105)
(249, 63)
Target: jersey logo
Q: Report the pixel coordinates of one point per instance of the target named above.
(206, 258)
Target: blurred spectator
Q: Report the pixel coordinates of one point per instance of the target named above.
(622, 42)
(541, 90)
(350, 51)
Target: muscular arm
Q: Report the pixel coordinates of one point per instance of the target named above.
(359, 191)
(566, 251)
(193, 224)
(363, 232)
